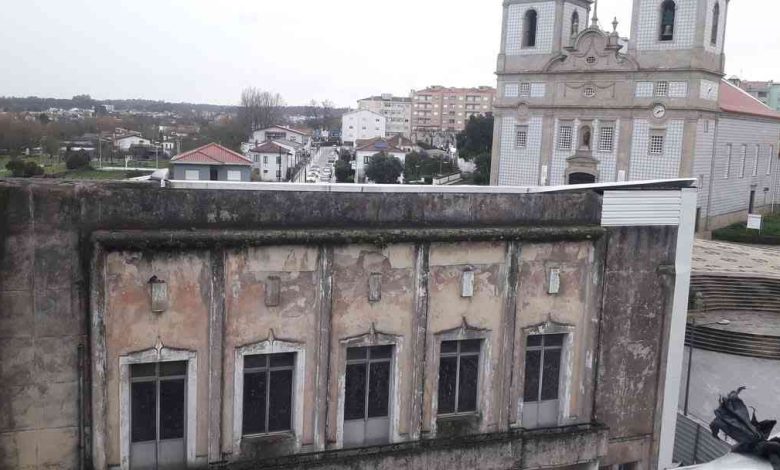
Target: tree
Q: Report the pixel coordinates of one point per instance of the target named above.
(260, 109)
(344, 172)
(482, 173)
(76, 160)
(477, 138)
(419, 165)
(384, 169)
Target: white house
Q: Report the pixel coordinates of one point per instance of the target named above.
(272, 159)
(276, 133)
(364, 153)
(123, 143)
(362, 125)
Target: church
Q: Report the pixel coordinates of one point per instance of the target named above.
(578, 103)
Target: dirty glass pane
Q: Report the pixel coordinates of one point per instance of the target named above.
(471, 345)
(143, 411)
(255, 361)
(254, 403)
(551, 374)
(172, 409)
(355, 392)
(448, 367)
(381, 352)
(378, 389)
(356, 353)
(532, 370)
(535, 340)
(173, 368)
(553, 340)
(449, 346)
(143, 370)
(280, 401)
(467, 398)
(281, 360)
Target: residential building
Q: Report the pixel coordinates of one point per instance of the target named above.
(577, 106)
(363, 327)
(279, 132)
(403, 143)
(766, 92)
(365, 149)
(362, 125)
(124, 142)
(397, 111)
(439, 109)
(212, 162)
(275, 159)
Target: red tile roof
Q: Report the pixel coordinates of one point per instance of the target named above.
(212, 154)
(377, 145)
(269, 147)
(735, 100)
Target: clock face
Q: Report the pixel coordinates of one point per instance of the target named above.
(659, 111)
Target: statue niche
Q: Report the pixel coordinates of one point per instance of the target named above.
(582, 168)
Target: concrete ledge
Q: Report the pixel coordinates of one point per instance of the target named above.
(565, 446)
(237, 238)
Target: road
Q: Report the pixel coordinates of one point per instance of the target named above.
(319, 162)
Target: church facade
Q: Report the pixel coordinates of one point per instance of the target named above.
(578, 104)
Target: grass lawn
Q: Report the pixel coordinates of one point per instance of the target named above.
(54, 168)
(769, 235)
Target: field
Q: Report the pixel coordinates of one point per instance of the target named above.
(55, 168)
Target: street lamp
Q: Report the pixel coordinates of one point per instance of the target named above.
(690, 356)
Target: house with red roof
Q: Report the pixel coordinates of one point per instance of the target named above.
(274, 159)
(212, 162)
(365, 149)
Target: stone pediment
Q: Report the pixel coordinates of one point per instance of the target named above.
(593, 50)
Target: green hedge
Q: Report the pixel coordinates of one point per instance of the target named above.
(769, 235)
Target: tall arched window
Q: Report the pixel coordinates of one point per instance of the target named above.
(715, 21)
(529, 29)
(575, 23)
(668, 10)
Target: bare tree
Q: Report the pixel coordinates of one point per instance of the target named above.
(260, 108)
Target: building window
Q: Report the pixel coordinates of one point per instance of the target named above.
(157, 394)
(367, 395)
(744, 161)
(706, 127)
(278, 159)
(656, 144)
(575, 24)
(661, 88)
(755, 162)
(715, 21)
(668, 12)
(529, 28)
(589, 92)
(458, 376)
(606, 139)
(564, 137)
(525, 89)
(265, 159)
(234, 175)
(521, 136)
(729, 151)
(268, 393)
(366, 160)
(541, 387)
(191, 174)
(771, 157)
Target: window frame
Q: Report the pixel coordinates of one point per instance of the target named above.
(267, 370)
(521, 129)
(458, 355)
(656, 134)
(530, 34)
(729, 156)
(602, 128)
(570, 138)
(271, 345)
(744, 161)
(715, 24)
(755, 162)
(664, 6)
(661, 89)
(771, 157)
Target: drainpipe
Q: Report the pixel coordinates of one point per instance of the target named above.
(80, 417)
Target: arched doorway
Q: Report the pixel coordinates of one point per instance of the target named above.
(581, 178)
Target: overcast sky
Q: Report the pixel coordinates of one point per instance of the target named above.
(206, 51)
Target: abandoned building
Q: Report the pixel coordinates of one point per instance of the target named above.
(341, 327)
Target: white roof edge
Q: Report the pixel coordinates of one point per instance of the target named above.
(424, 189)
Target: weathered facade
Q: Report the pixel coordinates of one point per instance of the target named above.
(484, 327)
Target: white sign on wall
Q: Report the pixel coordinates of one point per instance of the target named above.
(754, 222)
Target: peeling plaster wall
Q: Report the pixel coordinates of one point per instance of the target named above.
(131, 326)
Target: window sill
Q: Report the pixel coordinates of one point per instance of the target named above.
(269, 437)
(472, 415)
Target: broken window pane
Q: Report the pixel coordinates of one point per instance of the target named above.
(254, 403)
(467, 396)
(355, 392)
(171, 408)
(378, 389)
(280, 399)
(448, 370)
(143, 412)
(551, 374)
(532, 370)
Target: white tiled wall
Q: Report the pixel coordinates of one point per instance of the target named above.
(558, 166)
(544, 32)
(702, 159)
(511, 90)
(732, 194)
(644, 89)
(704, 88)
(718, 47)
(607, 160)
(538, 90)
(644, 166)
(650, 26)
(568, 11)
(678, 89)
(519, 166)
